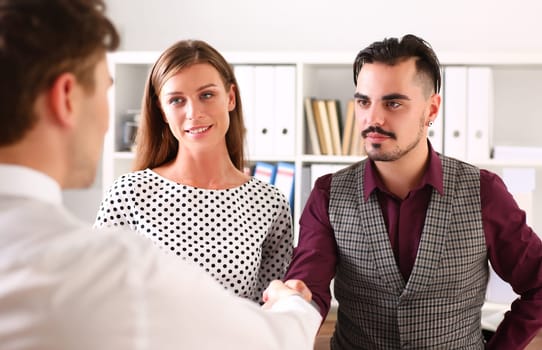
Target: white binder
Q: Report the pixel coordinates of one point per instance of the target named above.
(455, 112)
(479, 113)
(264, 111)
(285, 97)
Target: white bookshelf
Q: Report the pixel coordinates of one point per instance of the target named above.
(329, 75)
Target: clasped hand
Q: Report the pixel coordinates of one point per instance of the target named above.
(278, 290)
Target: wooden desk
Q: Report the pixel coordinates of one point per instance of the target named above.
(326, 331)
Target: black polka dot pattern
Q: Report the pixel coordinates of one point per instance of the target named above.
(242, 236)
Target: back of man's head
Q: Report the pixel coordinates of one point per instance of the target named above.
(39, 40)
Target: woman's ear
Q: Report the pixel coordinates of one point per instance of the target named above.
(62, 98)
(231, 98)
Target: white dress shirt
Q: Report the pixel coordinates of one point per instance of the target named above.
(64, 285)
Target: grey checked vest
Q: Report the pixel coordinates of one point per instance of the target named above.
(440, 305)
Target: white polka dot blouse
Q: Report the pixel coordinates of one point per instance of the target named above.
(242, 236)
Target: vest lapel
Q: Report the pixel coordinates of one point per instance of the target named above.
(434, 234)
(375, 230)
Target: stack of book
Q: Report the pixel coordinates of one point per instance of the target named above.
(328, 134)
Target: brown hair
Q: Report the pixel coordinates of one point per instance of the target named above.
(156, 145)
(40, 40)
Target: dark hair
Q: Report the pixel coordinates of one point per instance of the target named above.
(391, 50)
(156, 145)
(40, 40)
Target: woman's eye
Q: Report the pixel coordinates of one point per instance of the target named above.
(207, 95)
(175, 100)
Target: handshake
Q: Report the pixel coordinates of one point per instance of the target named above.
(278, 290)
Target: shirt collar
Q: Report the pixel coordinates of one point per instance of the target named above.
(433, 176)
(21, 181)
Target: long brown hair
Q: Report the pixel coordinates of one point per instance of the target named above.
(156, 145)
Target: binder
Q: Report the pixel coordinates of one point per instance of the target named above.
(311, 128)
(264, 110)
(435, 133)
(479, 113)
(244, 74)
(284, 181)
(265, 172)
(455, 112)
(285, 97)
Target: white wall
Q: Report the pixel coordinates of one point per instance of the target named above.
(318, 25)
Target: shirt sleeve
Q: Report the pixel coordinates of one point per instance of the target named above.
(515, 253)
(315, 256)
(277, 247)
(219, 320)
(114, 208)
(121, 293)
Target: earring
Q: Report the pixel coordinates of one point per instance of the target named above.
(430, 123)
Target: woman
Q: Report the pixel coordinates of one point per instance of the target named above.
(188, 192)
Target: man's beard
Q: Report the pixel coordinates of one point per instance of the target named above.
(376, 153)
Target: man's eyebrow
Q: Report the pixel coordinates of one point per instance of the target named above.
(395, 96)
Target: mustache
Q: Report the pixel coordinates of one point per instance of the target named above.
(378, 130)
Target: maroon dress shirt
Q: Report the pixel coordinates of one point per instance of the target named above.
(514, 250)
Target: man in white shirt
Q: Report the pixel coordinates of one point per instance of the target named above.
(62, 284)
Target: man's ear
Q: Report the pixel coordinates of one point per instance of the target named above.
(62, 98)
(434, 106)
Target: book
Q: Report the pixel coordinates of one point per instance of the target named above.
(348, 129)
(319, 126)
(356, 143)
(311, 127)
(265, 172)
(322, 124)
(333, 109)
(284, 181)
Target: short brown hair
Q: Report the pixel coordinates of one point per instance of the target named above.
(156, 145)
(40, 40)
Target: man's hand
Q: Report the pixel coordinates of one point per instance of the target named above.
(278, 290)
